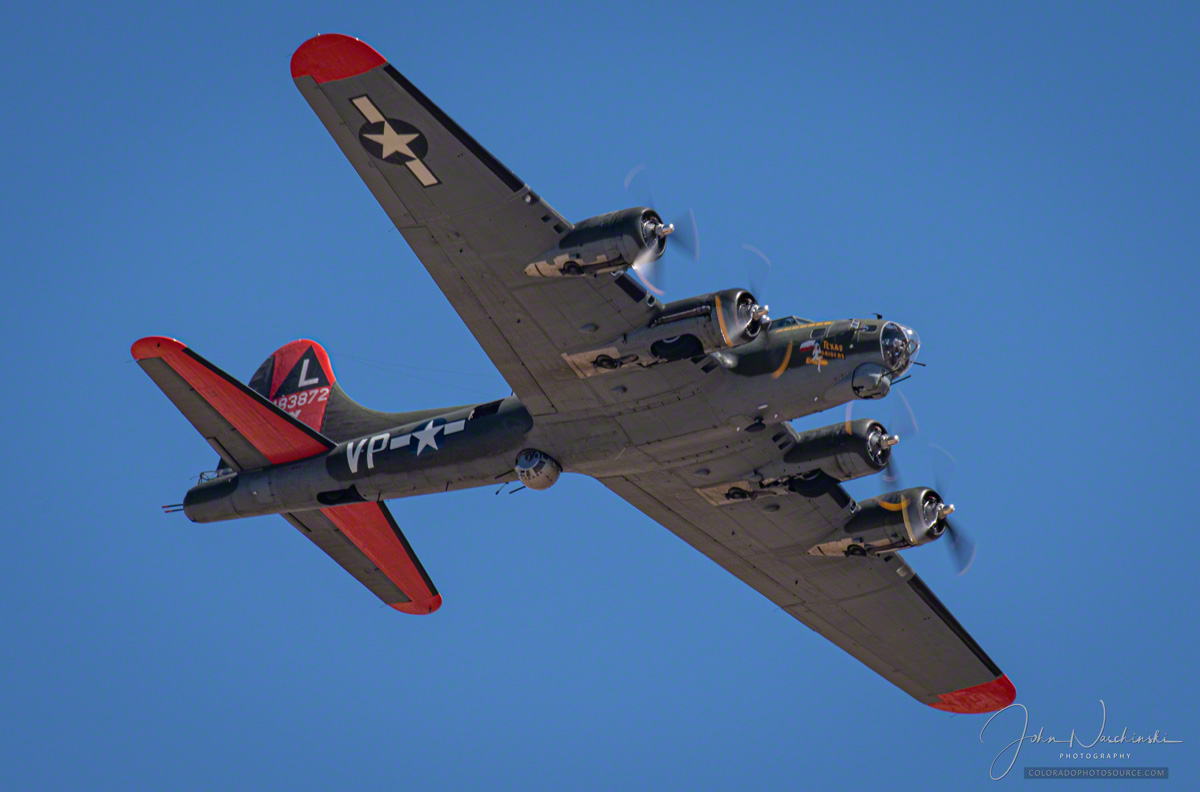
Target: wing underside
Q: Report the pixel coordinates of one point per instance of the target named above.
(472, 223)
(874, 607)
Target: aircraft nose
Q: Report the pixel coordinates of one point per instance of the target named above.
(900, 345)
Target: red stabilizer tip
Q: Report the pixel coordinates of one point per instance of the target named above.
(154, 346)
(420, 608)
(988, 697)
(332, 56)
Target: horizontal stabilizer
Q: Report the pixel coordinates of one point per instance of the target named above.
(244, 428)
(365, 540)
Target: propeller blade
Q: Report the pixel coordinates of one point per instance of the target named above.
(643, 185)
(650, 271)
(634, 171)
(686, 236)
(962, 548)
(962, 545)
(758, 272)
(943, 463)
(910, 429)
(891, 473)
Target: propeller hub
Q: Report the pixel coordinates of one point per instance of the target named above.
(655, 229)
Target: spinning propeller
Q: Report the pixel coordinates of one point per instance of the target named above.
(758, 270)
(683, 232)
(962, 546)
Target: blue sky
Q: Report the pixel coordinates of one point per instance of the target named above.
(1017, 181)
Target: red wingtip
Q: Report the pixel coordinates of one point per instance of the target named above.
(154, 346)
(332, 56)
(422, 607)
(988, 697)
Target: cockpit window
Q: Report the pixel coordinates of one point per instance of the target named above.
(786, 321)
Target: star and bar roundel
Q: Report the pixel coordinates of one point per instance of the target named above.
(394, 141)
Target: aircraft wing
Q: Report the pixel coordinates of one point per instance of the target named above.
(874, 607)
(472, 223)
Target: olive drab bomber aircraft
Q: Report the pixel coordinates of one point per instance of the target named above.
(680, 408)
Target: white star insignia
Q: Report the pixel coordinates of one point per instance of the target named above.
(394, 142)
(427, 437)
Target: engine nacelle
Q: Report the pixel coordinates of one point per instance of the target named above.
(606, 243)
(683, 329)
(537, 469)
(722, 319)
(844, 451)
(894, 521)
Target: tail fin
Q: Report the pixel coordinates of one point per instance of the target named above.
(298, 379)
